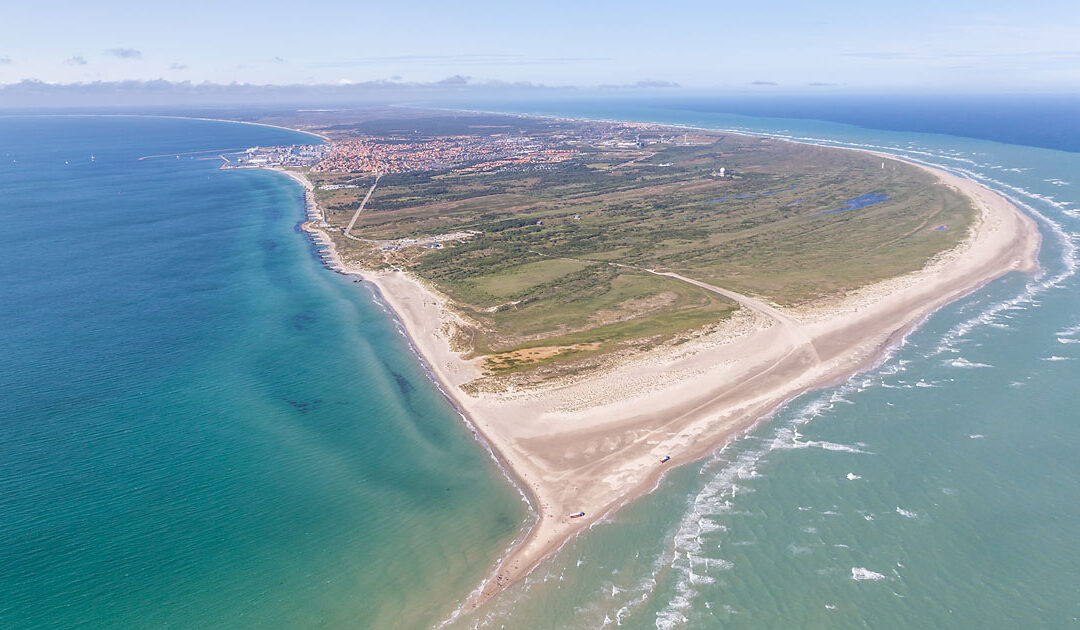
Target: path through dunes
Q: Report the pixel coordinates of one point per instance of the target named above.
(753, 304)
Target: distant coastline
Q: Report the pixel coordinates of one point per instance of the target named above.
(817, 350)
(175, 117)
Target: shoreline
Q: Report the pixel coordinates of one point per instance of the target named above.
(534, 455)
(382, 296)
(176, 116)
(448, 387)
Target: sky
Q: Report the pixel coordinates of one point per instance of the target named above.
(944, 45)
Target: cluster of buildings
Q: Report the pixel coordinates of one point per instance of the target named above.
(622, 135)
(391, 155)
(481, 153)
(297, 155)
(531, 158)
(427, 242)
(337, 186)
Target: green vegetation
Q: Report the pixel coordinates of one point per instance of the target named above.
(525, 277)
(559, 256)
(600, 303)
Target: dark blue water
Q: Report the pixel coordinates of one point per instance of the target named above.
(200, 426)
(1049, 121)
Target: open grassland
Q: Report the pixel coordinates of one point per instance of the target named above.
(554, 273)
(528, 276)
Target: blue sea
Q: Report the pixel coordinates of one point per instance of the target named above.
(201, 427)
(939, 489)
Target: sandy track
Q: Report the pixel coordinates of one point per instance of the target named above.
(756, 305)
(596, 444)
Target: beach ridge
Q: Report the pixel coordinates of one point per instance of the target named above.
(593, 446)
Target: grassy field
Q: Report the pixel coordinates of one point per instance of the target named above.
(542, 279)
(525, 277)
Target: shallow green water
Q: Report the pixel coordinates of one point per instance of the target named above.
(940, 489)
(202, 427)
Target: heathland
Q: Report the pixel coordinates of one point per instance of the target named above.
(541, 232)
(605, 301)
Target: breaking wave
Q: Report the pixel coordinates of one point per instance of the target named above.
(716, 495)
(687, 556)
(859, 574)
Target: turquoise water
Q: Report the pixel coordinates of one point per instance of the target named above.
(200, 426)
(939, 489)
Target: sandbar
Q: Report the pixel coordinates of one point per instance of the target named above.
(594, 444)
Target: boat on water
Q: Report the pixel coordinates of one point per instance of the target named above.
(578, 515)
(664, 459)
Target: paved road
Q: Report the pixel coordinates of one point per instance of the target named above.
(361, 208)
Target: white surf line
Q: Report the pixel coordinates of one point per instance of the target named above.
(714, 498)
(1068, 257)
(1039, 283)
(896, 152)
(363, 203)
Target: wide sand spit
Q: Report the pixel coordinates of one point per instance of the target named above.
(594, 444)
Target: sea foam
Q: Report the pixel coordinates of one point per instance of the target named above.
(961, 362)
(787, 437)
(859, 574)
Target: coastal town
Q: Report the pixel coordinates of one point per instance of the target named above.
(604, 301)
(390, 155)
(501, 316)
(408, 151)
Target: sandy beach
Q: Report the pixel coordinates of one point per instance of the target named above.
(593, 445)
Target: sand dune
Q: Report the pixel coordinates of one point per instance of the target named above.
(592, 445)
